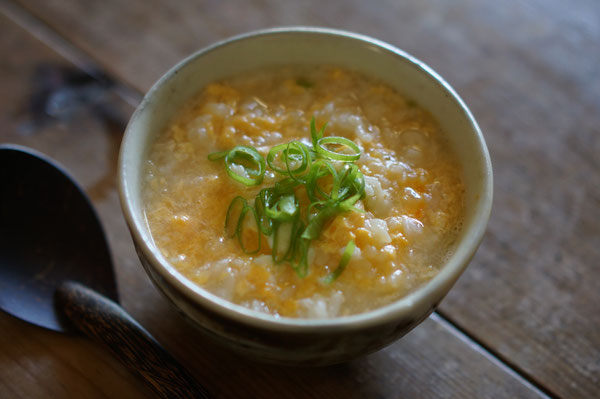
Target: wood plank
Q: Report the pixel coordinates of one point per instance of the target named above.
(34, 362)
(530, 72)
(433, 361)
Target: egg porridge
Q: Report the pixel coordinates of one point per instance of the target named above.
(309, 192)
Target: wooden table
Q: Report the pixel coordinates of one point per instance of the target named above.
(523, 321)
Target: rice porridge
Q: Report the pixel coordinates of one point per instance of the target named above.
(307, 192)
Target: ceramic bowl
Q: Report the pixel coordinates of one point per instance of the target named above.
(287, 340)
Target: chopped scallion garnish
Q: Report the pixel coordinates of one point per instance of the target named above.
(314, 134)
(348, 252)
(243, 164)
(284, 210)
(214, 156)
(233, 215)
(276, 211)
(342, 142)
(240, 230)
(295, 157)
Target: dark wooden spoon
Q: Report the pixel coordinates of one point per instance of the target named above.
(56, 270)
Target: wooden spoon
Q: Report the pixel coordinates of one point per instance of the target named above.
(56, 271)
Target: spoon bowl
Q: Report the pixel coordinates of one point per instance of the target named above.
(56, 271)
(46, 219)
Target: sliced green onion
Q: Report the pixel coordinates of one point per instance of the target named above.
(315, 136)
(285, 209)
(261, 202)
(320, 169)
(214, 156)
(276, 210)
(337, 156)
(294, 151)
(233, 215)
(348, 204)
(301, 267)
(280, 254)
(337, 190)
(271, 157)
(316, 224)
(348, 251)
(348, 181)
(359, 184)
(299, 227)
(299, 152)
(286, 185)
(240, 229)
(252, 162)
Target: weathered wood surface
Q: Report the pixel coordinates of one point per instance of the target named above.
(434, 361)
(530, 71)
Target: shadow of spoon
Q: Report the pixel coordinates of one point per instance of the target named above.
(56, 271)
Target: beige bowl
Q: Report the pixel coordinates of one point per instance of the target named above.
(304, 341)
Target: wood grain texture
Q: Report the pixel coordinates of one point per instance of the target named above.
(108, 324)
(37, 363)
(433, 361)
(530, 73)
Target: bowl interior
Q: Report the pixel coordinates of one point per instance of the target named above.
(311, 46)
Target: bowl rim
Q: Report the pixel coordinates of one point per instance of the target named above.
(448, 274)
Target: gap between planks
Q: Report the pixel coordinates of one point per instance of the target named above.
(86, 62)
(499, 360)
(65, 48)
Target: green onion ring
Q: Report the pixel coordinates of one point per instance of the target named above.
(287, 150)
(279, 204)
(271, 157)
(261, 202)
(290, 251)
(250, 154)
(231, 229)
(306, 159)
(319, 169)
(240, 226)
(325, 153)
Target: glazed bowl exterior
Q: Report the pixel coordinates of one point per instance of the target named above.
(304, 341)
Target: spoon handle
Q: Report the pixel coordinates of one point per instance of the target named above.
(106, 322)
